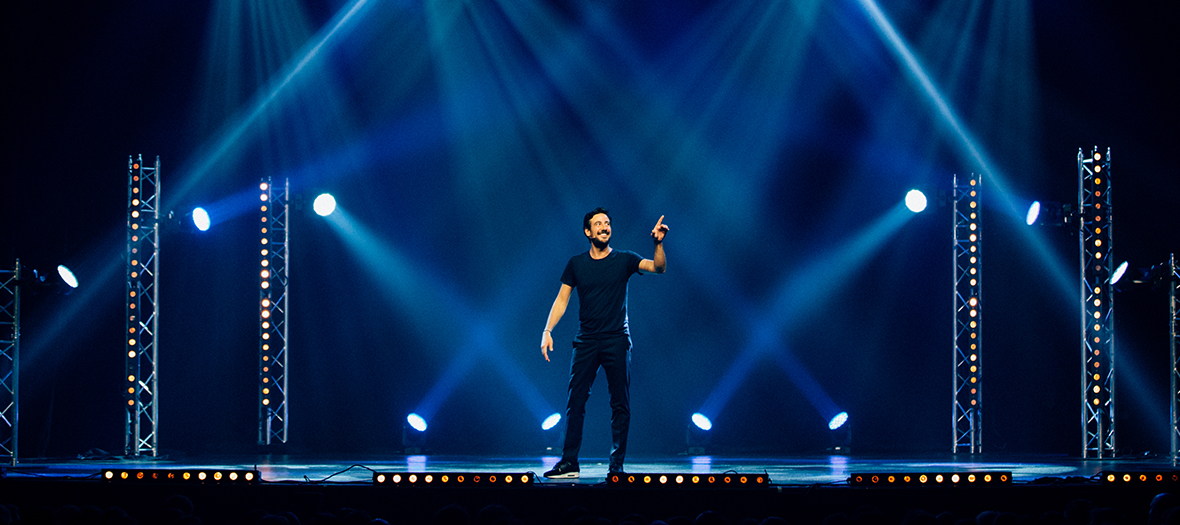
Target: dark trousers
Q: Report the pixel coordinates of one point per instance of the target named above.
(614, 356)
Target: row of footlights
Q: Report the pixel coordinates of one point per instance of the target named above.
(183, 475)
(616, 479)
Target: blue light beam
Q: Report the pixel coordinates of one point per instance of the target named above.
(797, 298)
(344, 19)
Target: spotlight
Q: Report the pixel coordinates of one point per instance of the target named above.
(1034, 211)
(68, 277)
(1125, 278)
(40, 282)
(838, 421)
(697, 436)
(416, 422)
(701, 421)
(324, 205)
(915, 201)
(552, 435)
(840, 431)
(201, 219)
(414, 435)
(551, 421)
(196, 220)
(1118, 273)
(1050, 213)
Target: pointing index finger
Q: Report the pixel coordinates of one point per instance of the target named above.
(659, 222)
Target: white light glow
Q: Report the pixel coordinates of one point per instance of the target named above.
(701, 421)
(201, 219)
(915, 201)
(551, 421)
(68, 276)
(1034, 211)
(417, 422)
(1118, 273)
(324, 205)
(838, 421)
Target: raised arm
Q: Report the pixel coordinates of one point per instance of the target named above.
(555, 313)
(658, 263)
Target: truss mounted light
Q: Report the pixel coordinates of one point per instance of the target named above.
(67, 276)
(324, 205)
(1034, 211)
(915, 200)
(201, 219)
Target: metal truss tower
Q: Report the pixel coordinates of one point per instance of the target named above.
(272, 313)
(9, 362)
(968, 356)
(140, 390)
(1174, 343)
(1098, 359)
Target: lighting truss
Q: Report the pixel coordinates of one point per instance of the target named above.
(272, 313)
(968, 356)
(9, 361)
(140, 391)
(1094, 234)
(1174, 338)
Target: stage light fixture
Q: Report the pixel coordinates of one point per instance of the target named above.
(551, 421)
(1097, 349)
(67, 276)
(1118, 273)
(194, 475)
(1170, 477)
(840, 432)
(143, 247)
(414, 435)
(201, 218)
(968, 313)
(324, 205)
(416, 422)
(680, 480)
(701, 421)
(931, 479)
(1034, 211)
(454, 479)
(838, 421)
(552, 434)
(64, 283)
(697, 435)
(915, 201)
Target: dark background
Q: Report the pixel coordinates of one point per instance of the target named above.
(464, 142)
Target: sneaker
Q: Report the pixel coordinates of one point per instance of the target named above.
(563, 470)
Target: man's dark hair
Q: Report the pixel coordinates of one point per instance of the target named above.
(595, 211)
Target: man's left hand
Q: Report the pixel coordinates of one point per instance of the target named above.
(661, 229)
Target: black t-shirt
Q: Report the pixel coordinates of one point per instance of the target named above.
(602, 291)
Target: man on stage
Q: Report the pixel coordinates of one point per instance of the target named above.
(600, 275)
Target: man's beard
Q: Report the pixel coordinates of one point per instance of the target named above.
(601, 245)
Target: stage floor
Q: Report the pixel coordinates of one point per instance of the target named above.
(813, 470)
